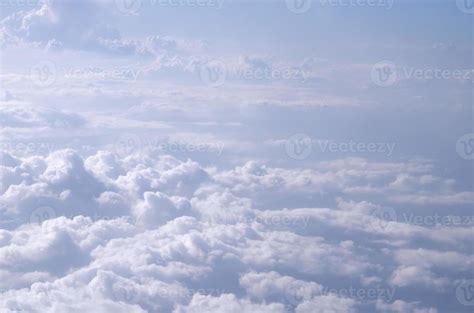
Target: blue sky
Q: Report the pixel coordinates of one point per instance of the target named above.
(251, 156)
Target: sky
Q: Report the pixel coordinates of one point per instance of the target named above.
(236, 156)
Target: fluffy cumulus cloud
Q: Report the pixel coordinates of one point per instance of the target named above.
(149, 233)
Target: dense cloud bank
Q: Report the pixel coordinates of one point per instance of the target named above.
(156, 234)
